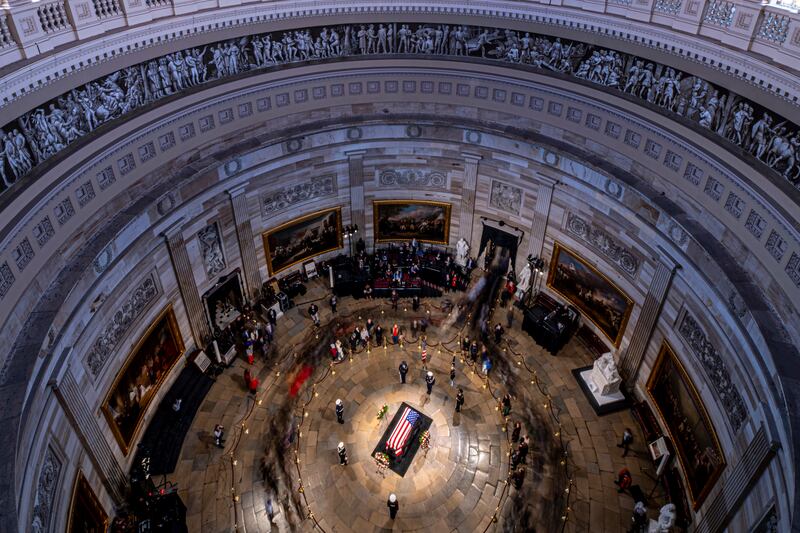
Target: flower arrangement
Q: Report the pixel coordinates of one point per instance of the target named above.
(382, 460)
(425, 440)
(382, 412)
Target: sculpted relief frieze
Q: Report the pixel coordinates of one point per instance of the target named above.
(45, 131)
(505, 197)
(605, 243)
(716, 370)
(318, 187)
(418, 179)
(46, 492)
(211, 249)
(125, 316)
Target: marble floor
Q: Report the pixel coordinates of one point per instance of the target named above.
(279, 470)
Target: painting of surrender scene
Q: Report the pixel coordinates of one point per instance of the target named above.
(303, 238)
(396, 220)
(687, 421)
(595, 295)
(141, 376)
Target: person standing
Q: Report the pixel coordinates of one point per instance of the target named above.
(395, 299)
(272, 316)
(415, 302)
(473, 351)
(510, 316)
(395, 334)
(639, 519)
(403, 369)
(506, 404)
(627, 439)
(516, 431)
(333, 302)
(523, 449)
(342, 451)
(339, 411)
(219, 436)
(518, 477)
(393, 506)
(313, 312)
(254, 385)
(429, 381)
(378, 335)
(453, 375)
(498, 333)
(459, 400)
(624, 480)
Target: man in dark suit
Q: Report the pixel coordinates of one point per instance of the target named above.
(403, 369)
(429, 381)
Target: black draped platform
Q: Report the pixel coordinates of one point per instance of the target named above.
(399, 465)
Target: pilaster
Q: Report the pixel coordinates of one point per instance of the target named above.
(631, 360)
(247, 246)
(70, 397)
(355, 168)
(541, 214)
(467, 217)
(187, 284)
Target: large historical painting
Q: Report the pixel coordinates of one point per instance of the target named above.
(688, 424)
(402, 221)
(86, 514)
(595, 295)
(303, 238)
(141, 376)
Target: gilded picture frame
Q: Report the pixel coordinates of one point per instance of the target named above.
(144, 371)
(86, 514)
(600, 300)
(680, 408)
(428, 221)
(302, 238)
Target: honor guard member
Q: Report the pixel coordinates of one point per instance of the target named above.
(340, 411)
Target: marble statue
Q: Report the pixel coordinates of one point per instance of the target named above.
(50, 128)
(604, 378)
(666, 520)
(462, 251)
(524, 280)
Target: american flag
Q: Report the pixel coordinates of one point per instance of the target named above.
(397, 440)
(424, 354)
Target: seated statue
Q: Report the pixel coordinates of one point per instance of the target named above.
(604, 378)
(666, 520)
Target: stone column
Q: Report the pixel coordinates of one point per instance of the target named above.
(70, 397)
(187, 284)
(467, 218)
(247, 246)
(630, 361)
(355, 167)
(738, 483)
(541, 214)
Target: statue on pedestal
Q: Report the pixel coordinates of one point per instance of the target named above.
(604, 379)
(666, 520)
(462, 249)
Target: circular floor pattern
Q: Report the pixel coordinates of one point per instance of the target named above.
(257, 484)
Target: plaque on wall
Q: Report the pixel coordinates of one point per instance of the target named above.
(598, 298)
(141, 376)
(303, 238)
(400, 220)
(689, 426)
